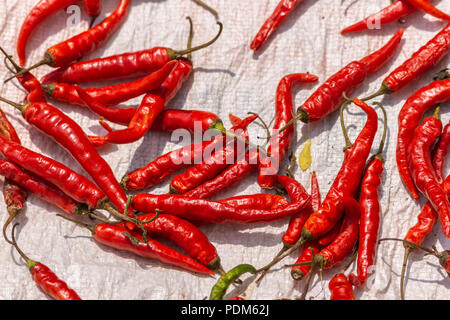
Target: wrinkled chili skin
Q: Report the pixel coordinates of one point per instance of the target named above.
(298, 272)
(213, 165)
(215, 212)
(409, 118)
(51, 284)
(369, 222)
(283, 9)
(280, 143)
(344, 243)
(341, 288)
(69, 135)
(113, 236)
(424, 59)
(164, 166)
(184, 234)
(70, 182)
(39, 187)
(125, 65)
(261, 201)
(347, 180)
(394, 12)
(86, 42)
(422, 170)
(329, 96)
(112, 95)
(186, 119)
(440, 153)
(40, 12)
(227, 178)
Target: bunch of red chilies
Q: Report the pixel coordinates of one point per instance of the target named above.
(343, 227)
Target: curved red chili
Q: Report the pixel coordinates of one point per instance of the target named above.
(45, 278)
(422, 170)
(341, 288)
(280, 144)
(40, 12)
(394, 12)
(111, 95)
(214, 212)
(409, 118)
(440, 153)
(257, 201)
(84, 43)
(185, 235)
(310, 248)
(121, 66)
(283, 9)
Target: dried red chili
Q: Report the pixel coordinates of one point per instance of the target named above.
(394, 12)
(93, 8)
(341, 288)
(427, 7)
(41, 11)
(280, 144)
(121, 66)
(409, 118)
(283, 9)
(422, 170)
(82, 44)
(308, 250)
(121, 238)
(214, 212)
(370, 213)
(440, 153)
(45, 278)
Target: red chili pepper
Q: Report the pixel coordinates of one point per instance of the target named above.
(121, 238)
(298, 272)
(215, 212)
(261, 201)
(185, 235)
(192, 120)
(41, 188)
(370, 213)
(409, 118)
(280, 144)
(395, 11)
(111, 95)
(420, 62)
(82, 44)
(227, 178)
(427, 7)
(341, 288)
(328, 97)
(121, 66)
(45, 278)
(212, 165)
(316, 199)
(164, 166)
(40, 12)
(283, 9)
(440, 153)
(71, 183)
(331, 235)
(69, 135)
(422, 170)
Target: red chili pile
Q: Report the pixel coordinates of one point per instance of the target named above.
(332, 233)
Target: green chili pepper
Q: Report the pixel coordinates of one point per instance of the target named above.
(219, 289)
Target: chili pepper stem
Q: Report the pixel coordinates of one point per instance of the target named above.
(308, 277)
(9, 58)
(47, 60)
(383, 90)
(30, 263)
(13, 213)
(85, 225)
(190, 37)
(106, 205)
(264, 125)
(91, 23)
(301, 115)
(19, 107)
(383, 138)
(402, 276)
(207, 7)
(348, 143)
(264, 272)
(412, 244)
(178, 53)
